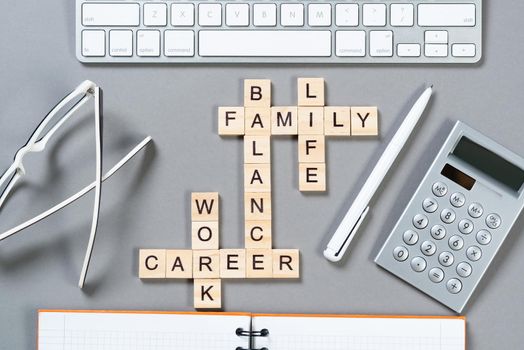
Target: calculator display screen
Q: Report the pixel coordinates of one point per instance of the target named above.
(489, 163)
(458, 176)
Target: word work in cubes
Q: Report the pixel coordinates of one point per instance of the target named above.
(311, 120)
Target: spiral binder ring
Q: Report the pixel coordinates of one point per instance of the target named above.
(242, 333)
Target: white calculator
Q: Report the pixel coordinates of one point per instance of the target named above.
(458, 218)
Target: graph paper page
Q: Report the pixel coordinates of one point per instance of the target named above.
(139, 331)
(359, 333)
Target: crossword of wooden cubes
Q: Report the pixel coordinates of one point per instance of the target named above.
(207, 265)
(311, 120)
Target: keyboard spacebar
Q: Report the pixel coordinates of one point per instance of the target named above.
(264, 43)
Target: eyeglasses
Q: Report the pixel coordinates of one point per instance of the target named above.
(59, 115)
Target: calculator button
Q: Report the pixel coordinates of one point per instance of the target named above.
(483, 237)
(439, 189)
(454, 286)
(410, 237)
(447, 215)
(475, 210)
(428, 248)
(420, 221)
(493, 220)
(446, 259)
(457, 199)
(438, 232)
(464, 269)
(430, 205)
(465, 226)
(456, 242)
(473, 253)
(400, 253)
(418, 264)
(436, 275)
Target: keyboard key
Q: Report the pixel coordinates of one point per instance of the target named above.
(381, 43)
(148, 43)
(400, 253)
(265, 15)
(93, 43)
(447, 215)
(464, 269)
(436, 275)
(110, 14)
(439, 189)
(430, 205)
(475, 210)
(436, 50)
(374, 15)
(346, 15)
(209, 15)
(319, 15)
(182, 15)
(483, 237)
(457, 199)
(418, 264)
(408, 50)
(155, 14)
(446, 259)
(463, 50)
(473, 253)
(454, 286)
(438, 232)
(350, 43)
(402, 15)
(179, 43)
(493, 220)
(237, 15)
(456, 242)
(292, 15)
(428, 248)
(410, 237)
(420, 221)
(465, 226)
(436, 37)
(441, 15)
(121, 43)
(264, 43)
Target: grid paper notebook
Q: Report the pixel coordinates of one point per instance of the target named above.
(144, 330)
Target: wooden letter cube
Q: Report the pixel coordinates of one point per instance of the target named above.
(257, 149)
(257, 178)
(364, 121)
(311, 149)
(152, 263)
(179, 263)
(337, 121)
(312, 177)
(310, 91)
(286, 263)
(257, 93)
(257, 206)
(232, 263)
(206, 264)
(207, 294)
(258, 121)
(231, 120)
(258, 234)
(204, 235)
(311, 120)
(259, 263)
(284, 120)
(204, 206)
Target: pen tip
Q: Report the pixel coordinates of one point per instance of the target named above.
(431, 86)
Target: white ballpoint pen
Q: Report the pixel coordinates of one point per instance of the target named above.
(347, 229)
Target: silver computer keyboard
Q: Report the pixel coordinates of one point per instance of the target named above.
(361, 31)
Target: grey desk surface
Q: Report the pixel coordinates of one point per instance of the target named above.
(147, 203)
